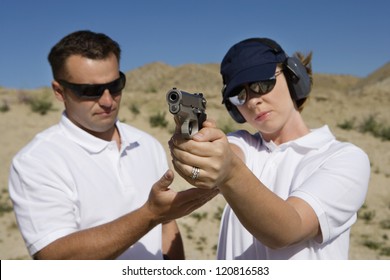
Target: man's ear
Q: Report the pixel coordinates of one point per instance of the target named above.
(58, 91)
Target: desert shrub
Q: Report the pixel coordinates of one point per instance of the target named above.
(134, 109)
(366, 215)
(158, 120)
(4, 107)
(41, 105)
(189, 231)
(199, 216)
(202, 240)
(373, 245)
(368, 125)
(385, 251)
(385, 224)
(347, 124)
(5, 203)
(385, 133)
(5, 208)
(218, 214)
(376, 128)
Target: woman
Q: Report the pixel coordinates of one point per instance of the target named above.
(292, 192)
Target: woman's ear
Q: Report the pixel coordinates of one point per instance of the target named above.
(58, 91)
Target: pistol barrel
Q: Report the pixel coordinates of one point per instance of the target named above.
(189, 109)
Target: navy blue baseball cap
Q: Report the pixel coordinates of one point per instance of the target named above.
(251, 60)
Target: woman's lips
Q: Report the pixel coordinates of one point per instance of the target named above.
(262, 116)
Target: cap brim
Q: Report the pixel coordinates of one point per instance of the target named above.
(253, 74)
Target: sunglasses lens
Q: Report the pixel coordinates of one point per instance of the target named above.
(239, 96)
(263, 87)
(116, 86)
(91, 91)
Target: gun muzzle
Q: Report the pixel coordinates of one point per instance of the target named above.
(189, 110)
(173, 97)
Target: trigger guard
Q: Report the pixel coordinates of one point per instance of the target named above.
(188, 129)
(185, 130)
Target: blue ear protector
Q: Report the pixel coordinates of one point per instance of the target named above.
(298, 80)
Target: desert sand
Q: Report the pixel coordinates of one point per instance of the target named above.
(336, 100)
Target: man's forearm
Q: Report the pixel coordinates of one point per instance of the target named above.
(106, 241)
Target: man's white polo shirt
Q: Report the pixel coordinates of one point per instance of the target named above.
(66, 180)
(331, 176)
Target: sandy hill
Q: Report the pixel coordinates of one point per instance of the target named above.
(347, 104)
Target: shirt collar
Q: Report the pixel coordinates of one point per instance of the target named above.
(316, 139)
(94, 144)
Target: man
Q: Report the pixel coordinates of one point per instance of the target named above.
(92, 187)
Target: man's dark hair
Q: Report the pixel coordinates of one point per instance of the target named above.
(85, 43)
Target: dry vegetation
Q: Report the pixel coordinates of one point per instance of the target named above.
(356, 109)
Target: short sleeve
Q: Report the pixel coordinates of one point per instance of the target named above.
(247, 142)
(337, 189)
(44, 206)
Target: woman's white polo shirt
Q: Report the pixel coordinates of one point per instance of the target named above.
(331, 176)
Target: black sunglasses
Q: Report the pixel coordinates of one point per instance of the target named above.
(95, 91)
(240, 95)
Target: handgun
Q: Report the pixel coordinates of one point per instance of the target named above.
(189, 110)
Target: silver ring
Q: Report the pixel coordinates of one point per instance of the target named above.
(195, 173)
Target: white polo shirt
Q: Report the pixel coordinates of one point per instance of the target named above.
(66, 180)
(331, 176)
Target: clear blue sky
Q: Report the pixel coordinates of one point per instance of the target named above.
(346, 37)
